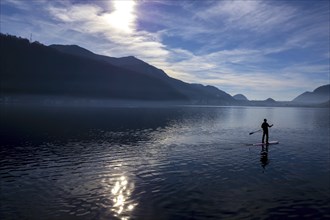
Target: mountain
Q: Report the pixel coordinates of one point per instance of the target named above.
(129, 62)
(32, 68)
(319, 95)
(71, 71)
(240, 97)
(270, 100)
(197, 93)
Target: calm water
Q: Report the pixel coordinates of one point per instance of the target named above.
(163, 163)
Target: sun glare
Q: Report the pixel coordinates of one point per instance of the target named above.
(123, 17)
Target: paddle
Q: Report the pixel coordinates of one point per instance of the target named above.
(254, 132)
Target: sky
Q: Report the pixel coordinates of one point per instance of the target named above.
(259, 48)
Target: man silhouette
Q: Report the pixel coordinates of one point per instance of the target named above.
(265, 127)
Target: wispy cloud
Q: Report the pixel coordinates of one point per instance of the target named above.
(121, 35)
(259, 16)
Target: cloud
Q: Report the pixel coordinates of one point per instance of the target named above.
(75, 13)
(259, 16)
(122, 37)
(22, 5)
(241, 70)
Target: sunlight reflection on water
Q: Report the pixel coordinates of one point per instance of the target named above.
(119, 189)
(190, 163)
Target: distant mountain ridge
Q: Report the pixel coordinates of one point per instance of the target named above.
(33, 68)
(129, 62)
(197, 93)
(319, 95)
(240, 97)
(72, 71)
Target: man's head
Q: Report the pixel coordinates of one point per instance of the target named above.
(265, 120)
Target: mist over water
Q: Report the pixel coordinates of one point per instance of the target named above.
(163, 163)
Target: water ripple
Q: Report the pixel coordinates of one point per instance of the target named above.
(183, 164)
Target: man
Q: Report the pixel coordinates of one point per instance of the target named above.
(265, 127)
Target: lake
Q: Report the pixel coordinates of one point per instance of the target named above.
(183, 162)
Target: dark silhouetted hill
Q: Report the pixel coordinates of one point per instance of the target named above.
(270, 100)
(129, 62)
(240, 97)
(197, 93)
(319, 95)
(32, 68)
(35, 69)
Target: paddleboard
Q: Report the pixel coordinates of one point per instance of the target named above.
(269, 143)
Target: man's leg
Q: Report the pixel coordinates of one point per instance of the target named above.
(263, 137)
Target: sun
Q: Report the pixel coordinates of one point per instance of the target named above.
(123, 16)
